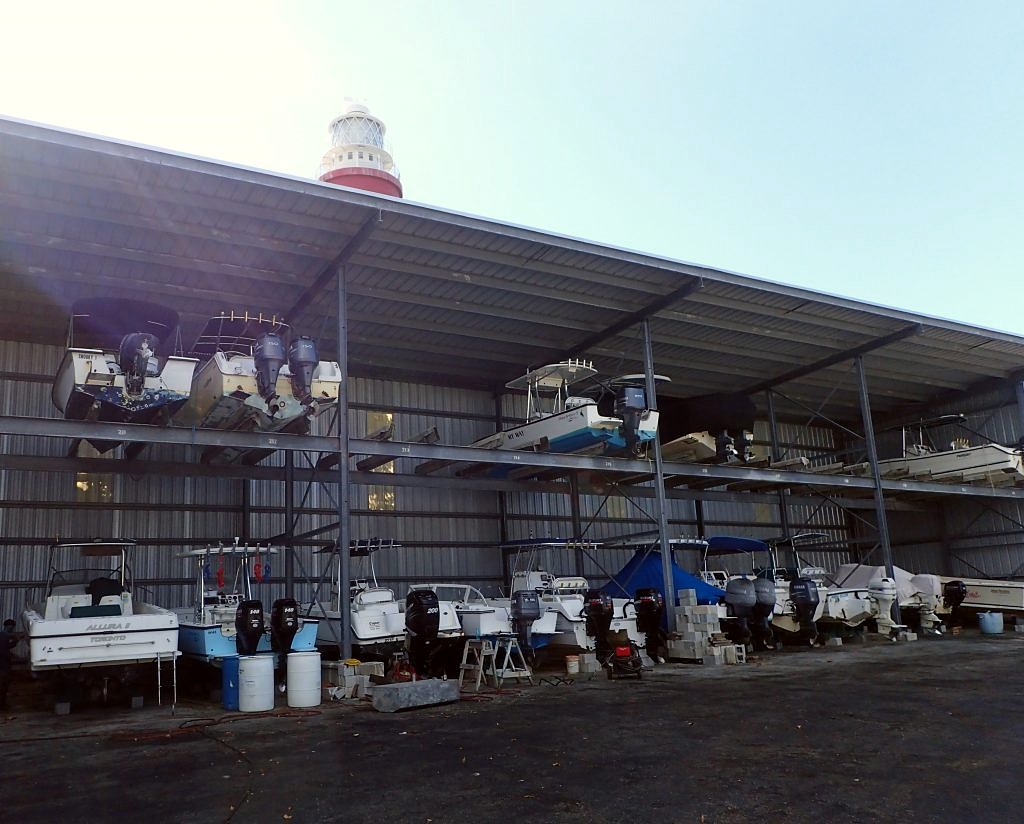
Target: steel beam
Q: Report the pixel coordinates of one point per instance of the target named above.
(643, 314)
(776, 456)
(661, 503)
(289, 525)
(832, 360)
(869, 437)
(330, 270)
(344, 503)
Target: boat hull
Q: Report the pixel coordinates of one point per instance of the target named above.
(214, 642)
(578, 430)
(151, 633)
(89, 386)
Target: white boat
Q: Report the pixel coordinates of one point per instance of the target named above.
(565, 597)
(250, 380)
(491, 618)
(90, 619)
(920, 594)
(988, 594)
(559, 422)
(715, 428)
(797, 610)
(207, 631)
(959, 463)
(378, 619)
(112, 370)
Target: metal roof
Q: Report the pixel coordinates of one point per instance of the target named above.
(434, 295)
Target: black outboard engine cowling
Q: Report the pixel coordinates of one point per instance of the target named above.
(284, 624)
(741, 599)
(954, 593)
(598, 610)
(268, 358)
(303, 359)
(525, 609)
(764, 609)
(650, 610)
(248, 627)
(133, 357)
(422, 621)
(631, 406)
(803, 592)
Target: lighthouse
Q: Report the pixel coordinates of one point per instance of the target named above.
(357, 157)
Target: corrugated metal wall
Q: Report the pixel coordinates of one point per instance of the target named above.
(449, 534)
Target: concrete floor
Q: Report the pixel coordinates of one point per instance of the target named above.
(925, 731)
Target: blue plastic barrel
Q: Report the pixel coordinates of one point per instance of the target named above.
(991, 623)
(229, 682)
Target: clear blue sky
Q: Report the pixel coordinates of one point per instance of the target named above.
(869, 149)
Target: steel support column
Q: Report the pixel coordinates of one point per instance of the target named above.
(776, 456)
(869, 437)
(344, 507)
(661, 500)
(577, 521)
(289, 525)
(1019, 387)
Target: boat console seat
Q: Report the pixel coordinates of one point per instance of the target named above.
(101, 588)
(366, 597)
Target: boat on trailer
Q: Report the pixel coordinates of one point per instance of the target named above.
(90, 626)
(112, 370)
(252, 378)
(557, 421)
(208, 630)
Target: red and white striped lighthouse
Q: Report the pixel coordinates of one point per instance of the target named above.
(358, 157)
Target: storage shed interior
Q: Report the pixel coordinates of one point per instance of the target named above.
(441, 310)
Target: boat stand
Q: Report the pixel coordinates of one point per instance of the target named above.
(514, 666)
(478, 657)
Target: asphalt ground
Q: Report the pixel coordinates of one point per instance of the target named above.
(923, 731)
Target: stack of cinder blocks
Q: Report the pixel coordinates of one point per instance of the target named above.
(695, 625)
(340, 680)
(589, 663)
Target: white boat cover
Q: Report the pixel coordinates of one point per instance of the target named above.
(856, 576)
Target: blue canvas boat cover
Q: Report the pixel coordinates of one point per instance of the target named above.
(644, 571)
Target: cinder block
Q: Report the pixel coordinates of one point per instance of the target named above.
(588, 658)
(1018, 627)
(409, 694)
(687, 597)
(588, 667)
(695, 636)
(136, 702)
(62, 708)
(904, 635)
(833, 642)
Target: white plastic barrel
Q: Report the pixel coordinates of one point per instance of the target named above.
(304, 679)
(991, 623)
(255, 683)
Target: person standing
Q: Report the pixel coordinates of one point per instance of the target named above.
(8, 641)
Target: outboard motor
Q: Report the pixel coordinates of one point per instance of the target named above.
(303, 359)
(741, 598)
(764, 609)
(631, 406)
(248, 627)
(133, 357)
(803, 592)
(525, 609)
(883, 593)
(268, 358)
(954, 593)
(284, 623)
(650, 610)
(598, 610)
(422, 621)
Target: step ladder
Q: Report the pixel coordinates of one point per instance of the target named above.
(478, 657)
(514, 666)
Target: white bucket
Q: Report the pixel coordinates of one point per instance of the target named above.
(304, 679)
(255, 683)
(572, 664)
